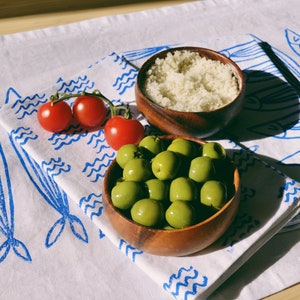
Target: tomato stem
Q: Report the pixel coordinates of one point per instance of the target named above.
(113, 109)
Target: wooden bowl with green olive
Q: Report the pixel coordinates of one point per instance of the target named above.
(171, 195)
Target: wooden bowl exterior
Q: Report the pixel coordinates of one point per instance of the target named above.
(200, 124)
(177, 242)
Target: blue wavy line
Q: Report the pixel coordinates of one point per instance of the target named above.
(58, 164)
(98, 175)
(130, 250)
(103, 147)
(95, 135)
(27, 139)
(16, 131)
(125, 83)
(174, 276)
(26, 113)
(88, 198)
(240, 161)
(294, 194)
(92, 205)
(97, 160)
(27, 104)
(97, 214)
(71, 82)
(185, 283)
(52, 160)
(72, 139)
(27, 131)
(195, 286)
(23, 107)
(99, 141)
(93, 170)
(127, 87)
(78, 88)
(129, 75)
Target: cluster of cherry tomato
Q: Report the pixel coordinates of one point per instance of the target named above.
(90, 111)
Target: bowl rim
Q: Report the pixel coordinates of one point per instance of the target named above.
(161, 54)
(236, 182)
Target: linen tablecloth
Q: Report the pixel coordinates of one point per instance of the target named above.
(51, 193)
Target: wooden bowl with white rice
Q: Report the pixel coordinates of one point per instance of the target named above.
(190, 91)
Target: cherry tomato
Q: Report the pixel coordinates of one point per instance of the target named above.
(89, 111)
(120, 131)
(54, 117)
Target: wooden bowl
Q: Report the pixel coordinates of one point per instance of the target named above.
(176, 242)
(200, 124)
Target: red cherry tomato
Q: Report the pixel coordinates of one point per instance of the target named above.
(54, 117)
(119, 131)
(89, 111)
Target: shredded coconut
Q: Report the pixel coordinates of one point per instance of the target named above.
(185, 81)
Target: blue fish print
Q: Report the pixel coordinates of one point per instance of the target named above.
(293, 40)
(272, 107)
(7, 222)
(52, 194)
(139, 54)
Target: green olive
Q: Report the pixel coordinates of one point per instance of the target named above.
(183, 188)
(126, 193)
(152, 143)
(213, 150)
(202, 169)
(148, 212)
(138, 169)
(184, 147)
(126, 153)
(165, 165)
(157, 189)
(213, 193)
(180, 214)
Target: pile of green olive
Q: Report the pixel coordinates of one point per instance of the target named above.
(172, 184)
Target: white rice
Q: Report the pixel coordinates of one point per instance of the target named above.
(185, 81)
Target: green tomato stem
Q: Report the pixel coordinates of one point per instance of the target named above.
(113, 109)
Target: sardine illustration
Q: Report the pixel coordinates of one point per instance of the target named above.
(293, 40)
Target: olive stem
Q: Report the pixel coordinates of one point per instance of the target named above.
(113, 109)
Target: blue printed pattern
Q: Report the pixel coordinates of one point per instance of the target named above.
(54, 196)
(7, 217)
(274, 102)
(187, 281)
(129, 250)
(92, 205)
(272, 106)
(293, 40)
